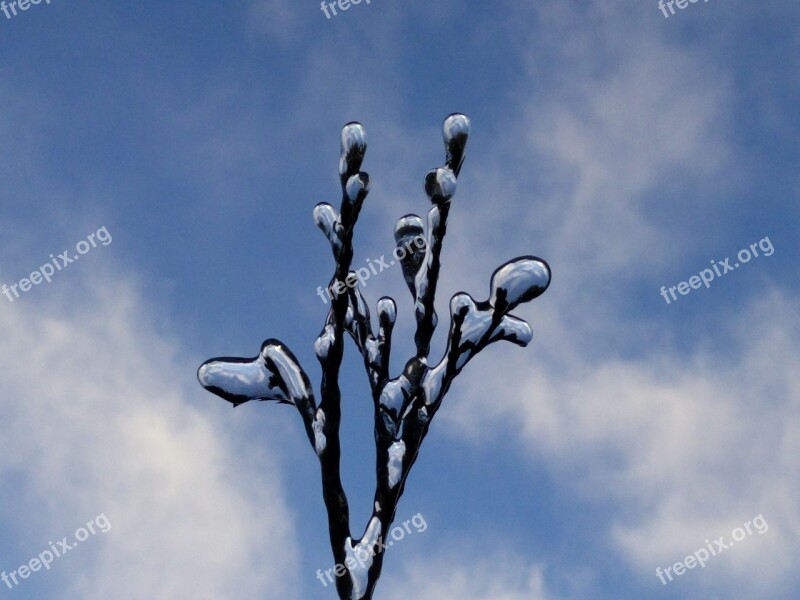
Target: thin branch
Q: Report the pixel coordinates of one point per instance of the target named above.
(405, 405)
(330, 346)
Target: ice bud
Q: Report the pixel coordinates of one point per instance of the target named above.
(519, 280)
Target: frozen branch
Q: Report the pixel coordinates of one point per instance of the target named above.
(404, 405)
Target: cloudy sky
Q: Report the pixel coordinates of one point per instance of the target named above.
(180, 147)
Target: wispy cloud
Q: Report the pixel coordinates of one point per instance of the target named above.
(98, 423)
(460, 577)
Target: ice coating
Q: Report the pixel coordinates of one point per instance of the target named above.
(432, 382)
(353, 139)
(387, 310)
(471, 331)
(327, 219)
(356, 186)
(394, 394)
(324, 342)
(357, 323)
(353, 147)
(440, 185)
(361, 556)
(373, 351)
(288, 370)
(396, 453)
(422, 415)
(239, 380)
(407, 226)
(406, 232)
(360, 305)
(379, 354)
(318, 425)
(421, 279)
(406, 404)
(514, 330)
(455, 131)
(517, 281)
(474, 327)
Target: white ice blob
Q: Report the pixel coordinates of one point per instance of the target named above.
(396, 453)
(318, 425)
(362, 554)
(518, 281)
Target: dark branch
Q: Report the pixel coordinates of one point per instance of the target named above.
(405, 405)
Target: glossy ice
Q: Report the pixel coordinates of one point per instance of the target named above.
(272, 375)
(404, 405)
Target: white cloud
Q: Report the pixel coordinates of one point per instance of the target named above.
(687, 447)
(97, 419)
(276, 18)
(617, 137)
(687, 440)
(463, 578)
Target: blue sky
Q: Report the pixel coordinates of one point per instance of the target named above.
(627, 149)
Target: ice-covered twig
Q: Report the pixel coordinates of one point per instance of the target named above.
(404, 405)
(355, 187)
(274, 374)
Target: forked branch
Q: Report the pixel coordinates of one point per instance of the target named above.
(405, 405)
